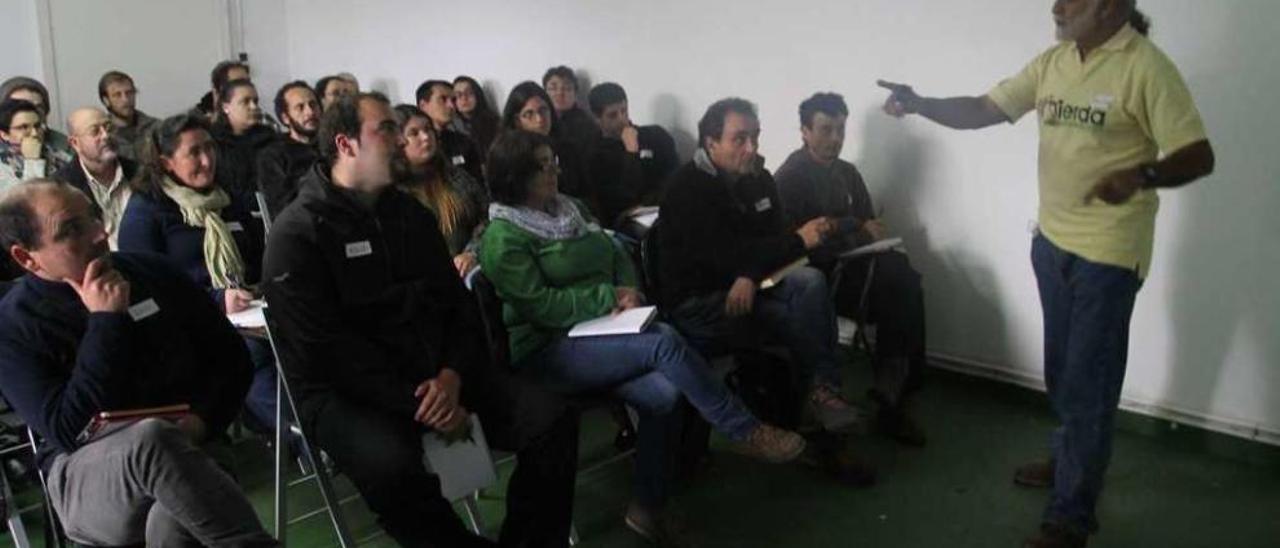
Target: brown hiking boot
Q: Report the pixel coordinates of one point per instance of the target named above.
(1037, 475)
(772, 444)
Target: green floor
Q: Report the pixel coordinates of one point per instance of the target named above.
(1166, 487)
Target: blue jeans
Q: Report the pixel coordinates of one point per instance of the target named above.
(798, 312)
(1086, 307)
(260, 401)
(649, 371)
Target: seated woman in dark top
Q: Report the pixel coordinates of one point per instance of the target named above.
(529, 108)
(554, 267)
(460, 204)
(178, 210)
(240, 135)
(476, 117)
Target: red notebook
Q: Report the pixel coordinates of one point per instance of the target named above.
(107, 422)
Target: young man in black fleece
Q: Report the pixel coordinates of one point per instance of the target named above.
(722, 233)
(86, 331)
(383, 344)
(629, 163)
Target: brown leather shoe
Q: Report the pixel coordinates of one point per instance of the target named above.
(1037, 475)
(1056, 536)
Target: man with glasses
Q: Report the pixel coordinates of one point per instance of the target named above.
(24, 153)
(99, 170)
(120, 97)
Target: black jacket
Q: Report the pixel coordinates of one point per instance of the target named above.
(713, 231)
(366, 304)
(238, 160)
(74, 175)
(625, 180)
(462, 153)
(60, 364)
(281, 165)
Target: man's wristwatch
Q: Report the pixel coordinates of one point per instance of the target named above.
(1149, 175)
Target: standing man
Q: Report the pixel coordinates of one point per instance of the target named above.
(283, 163)
(1116, 123)
(98, 169)
(120, 97)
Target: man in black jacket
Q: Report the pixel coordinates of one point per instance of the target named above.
(87, 331)
(383, 344)
(98, 170)
(282, 163)
(435, 99)
(629, 162)
(722, 235)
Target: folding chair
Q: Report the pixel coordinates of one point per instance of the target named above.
(13, 519)
(313, 466)
(263, 212)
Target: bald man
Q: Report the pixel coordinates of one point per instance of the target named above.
(98, 170)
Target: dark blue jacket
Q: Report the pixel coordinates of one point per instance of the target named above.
(60, 365)
(153, 224)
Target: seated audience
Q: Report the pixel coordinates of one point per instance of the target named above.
(334, 87)
(553, 267)
(629, 162)
(222, 73)
(383, 344)
(815, 182)
(25, 153)
(460, 204)
(722, 234)
(120, 97)
(529, 108)
(179, 211)
(475, 116)
(87, 331)
(576, 126)
(240, 137)
(31, 90)
(98, 170)
(283, 162)
(435, 99)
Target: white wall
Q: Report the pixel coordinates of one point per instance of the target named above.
(21, 31)
(1204, 345)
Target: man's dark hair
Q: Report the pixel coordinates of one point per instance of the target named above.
(604, 96)
(12, 107)
(281, 104)
(322, 85)
(712, 123)
(221, 72)
(426, 89)
(111, 77)
(521, 94)
(343, 118)
(1140, 22)
(563, 72)
(20, 83)
(831, 104)
(512, 164)
(162, 142)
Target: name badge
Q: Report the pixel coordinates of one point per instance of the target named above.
(235, 226)
(764, 205)
(645, 154)
(459, 160)
(143, 310)
(359, 249)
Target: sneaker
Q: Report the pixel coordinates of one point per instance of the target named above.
(1053, 535)
(1037, 475)
(772, 444)
(661, 529)
(835, 413)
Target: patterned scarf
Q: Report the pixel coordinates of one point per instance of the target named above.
(562, 220)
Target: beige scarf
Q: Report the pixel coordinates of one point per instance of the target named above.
(203, 209)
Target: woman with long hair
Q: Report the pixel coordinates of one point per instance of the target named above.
(240, 135)
(529, 108)
(476, 117)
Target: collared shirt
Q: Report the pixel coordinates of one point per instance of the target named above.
(1121, 107)
(112, 197)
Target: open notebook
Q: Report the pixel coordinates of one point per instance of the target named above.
(628, 322)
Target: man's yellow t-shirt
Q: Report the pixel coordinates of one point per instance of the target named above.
(1121, 107)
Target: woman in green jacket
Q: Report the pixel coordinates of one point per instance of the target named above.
(553, 267)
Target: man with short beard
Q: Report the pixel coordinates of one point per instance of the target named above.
(98, 169)
(1117, 122)
(283, 163)
(119, 96)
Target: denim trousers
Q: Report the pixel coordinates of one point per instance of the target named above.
(650, 371)
(1087, 307)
